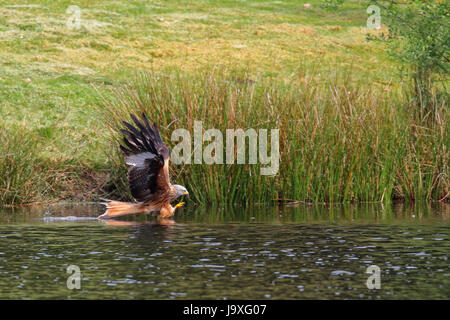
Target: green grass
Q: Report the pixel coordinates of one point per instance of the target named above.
(336, 147)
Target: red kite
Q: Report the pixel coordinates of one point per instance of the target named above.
(148, 177)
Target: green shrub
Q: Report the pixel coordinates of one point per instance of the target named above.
(419, 36)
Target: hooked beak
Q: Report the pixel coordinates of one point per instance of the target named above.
(186, 193)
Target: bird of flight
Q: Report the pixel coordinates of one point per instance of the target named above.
(148, 176)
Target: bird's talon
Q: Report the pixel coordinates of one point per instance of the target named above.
(179, 205)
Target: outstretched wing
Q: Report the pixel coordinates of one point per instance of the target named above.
(145, 151)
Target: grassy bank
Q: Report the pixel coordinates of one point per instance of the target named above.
(346, 129)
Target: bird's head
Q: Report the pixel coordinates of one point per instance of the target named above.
(181, 191)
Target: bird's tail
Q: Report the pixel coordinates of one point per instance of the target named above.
(116, 209)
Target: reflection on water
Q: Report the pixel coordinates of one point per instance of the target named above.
(312, 252)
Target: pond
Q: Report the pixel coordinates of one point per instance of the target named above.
(257, 252)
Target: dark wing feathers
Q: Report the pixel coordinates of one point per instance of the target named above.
(145, 151)
(141, 185)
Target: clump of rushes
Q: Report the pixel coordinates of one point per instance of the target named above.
(27, 177)
(22, 178)
(340, 141)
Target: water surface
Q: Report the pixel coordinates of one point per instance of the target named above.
(259, 252)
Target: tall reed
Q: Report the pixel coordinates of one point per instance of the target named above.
(340, 141)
